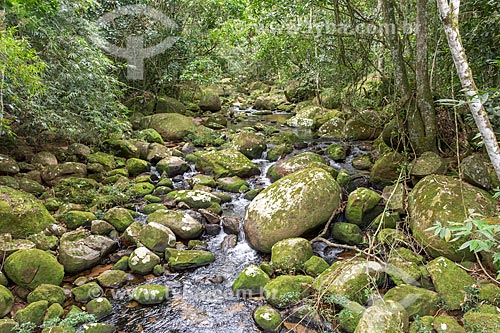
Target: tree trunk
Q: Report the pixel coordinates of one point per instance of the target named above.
(449, 17)
(422, 118)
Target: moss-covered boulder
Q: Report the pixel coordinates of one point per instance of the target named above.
(478, 171)
(429, 163)
(418, 302)
(157, 237)
(298, 162)
(232, 184)
(9, 245)
(171, 126)
(384, 317)
(363, 206)
(226, 163)
(112, 279)
(362, 162)
(203, 180)
(8, 165)
(76, 190)
(150, 294)
(348, 233)
(289, 255)
(336, 152)
(445, 199)
(287, 290)
(386, 169)
(21, 214)
(181, 223)
(290, 207)
(172, 166)
(149, 135)
(7, 325)
(405, 267)
(32, 267)
(120, 218)
(6, 301)
(74, 219)
(100, 307)
(350, 316)
(210, 101)
(450, 281)
(481, 322)
(80, 250)
(250, 281)
(363, 127)
(166, 104)
(131, 235)
(53, 174)
(305, 116)
(315, 265)
(34, 313)
(250, 144)
(136, 166)
(86, 292)
(142, 261)
(3, 280)
(333, 128)
(279, 151)
(47, 292)
(195, 199)
(350, 279)
(267, 318)
(185, 259)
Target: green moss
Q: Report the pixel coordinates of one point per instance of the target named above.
(250, 281)
(150, 294)
(350, 316)
(6, 301)
(75, 219)
(34, 313)
(267, 318)
(87, 292)
(418, 302)
(315, 266)
(363, 206)
(347, 232)
(226, 163)
(120, 218)
(99, 307)
(289, 255)
(287, 290)
(54, 311)
(336, 152)
(185, 259)
(47, 292)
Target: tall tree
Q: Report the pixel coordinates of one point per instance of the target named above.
(449, 12)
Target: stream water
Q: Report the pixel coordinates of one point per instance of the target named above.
(202, 300)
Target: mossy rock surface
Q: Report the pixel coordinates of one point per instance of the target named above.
(87, 292)
(47, 292)
(8, 165)
(136, 166)
(362, 127)
(7, 325)
(363, 206)
(172, 166)
(32, 267)
(97, 328)
(347, 233)
(226, 163)
(34, 313)
(75, 219)
(182, 224)
(185, 259)
(171, 126)
(195, 198)
(250, 144)
(150, 294)
(315, 265)
(142, 261)
(478, 322)
(299, 162)
(267, 318)
(54, 311)
(150, 135)
(429, 163)
(6, 301)
(112, 279)
(289, 255)
(157, 237)
(478, 171)
(21, 214)
(445, 199)
(250, 281)
(384, 317)
(203, 180)
(291, 207)
(120, 218)
(336, 152)
(99, 307)
(450, 281)
(232, 184)
(386, 169)
(287, 290)
(76, 190)
(418, 302)
(166, 104)
(106, 160)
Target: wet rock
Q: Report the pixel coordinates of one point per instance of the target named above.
(336, 152)
(112, 279)
(6, 301)
(349, 279)
(279, 151)
(384, 317)
(34, 313)
(232, 184)
(47, 292)
(150, 294)
(363, 206)
(363, 162)
(315, 265)
(478, 171)
(120, 218)
(142, 261)
(196, 199)
(182, 224)
(450, 281)
(386, 169)
(418, 302)
(210, 101)
(185, 259)
(97, 328)
(286, 290)
(171, 126)
(290, 207)
(75, 219)
(99, 307)
(250, 144)
(299, 162)
(8, 165)
(157, 237)
(21, 214)
(440, 198)
(429, 163)
(79, 250)
(231, 225)
(172, 166)
(136, 166)
(289, 255)
(226, 163)
(87, 292)
(32, 267)
(229, 242)
(267, 318)
(53, 174)
(347, 233)
(250, 281)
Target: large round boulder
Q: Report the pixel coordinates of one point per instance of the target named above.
(445, 199)
(296, 163)
(181, 223)
(21, 214)
(250, 144)
(210, 102)
(171, 126)
(32, 267)
(290, 207)
(226, 163)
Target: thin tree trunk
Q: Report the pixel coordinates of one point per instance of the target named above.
(449, 17)
(422, 120)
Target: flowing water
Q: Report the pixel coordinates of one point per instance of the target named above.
(202, 300)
